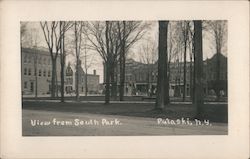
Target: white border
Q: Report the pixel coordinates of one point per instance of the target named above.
(234, 145)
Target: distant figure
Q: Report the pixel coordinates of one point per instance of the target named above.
(222, 93)
(212, 92)
(171, 92)
(154, 91)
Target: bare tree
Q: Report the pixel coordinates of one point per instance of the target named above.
(185, 36)
(148, 56)
(103, 38)
(129, 32)
(173, 46)
(52, 36)
(89, 60)
(78, 27)
(112, 40)
(192, 57)
(162, 97)
(64, 26)
(181, 40)
(198, 64)
(219, 31)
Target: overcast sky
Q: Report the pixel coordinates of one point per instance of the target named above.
(134, 52)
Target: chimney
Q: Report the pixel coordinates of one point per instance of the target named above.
(94, 72)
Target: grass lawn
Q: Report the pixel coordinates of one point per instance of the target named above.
(126, 98)
(212, 112)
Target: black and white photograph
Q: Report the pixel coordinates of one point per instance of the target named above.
(124, 78)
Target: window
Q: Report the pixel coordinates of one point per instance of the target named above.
(25, 71)
(49, 73)
(25, 84)
(29, 59)
(48, 61)
(40, 73)
(140, 76)
(44, 73)
(40, 60)
(25, 59)
(49, 88)
(44, 61)
(29, 72)
(31, 86)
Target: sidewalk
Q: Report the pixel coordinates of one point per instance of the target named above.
(117, 102)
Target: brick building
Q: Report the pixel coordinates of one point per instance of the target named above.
(36, 67)
(141, 79)
(92, 81)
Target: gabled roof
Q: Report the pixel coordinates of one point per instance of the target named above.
(221, 56)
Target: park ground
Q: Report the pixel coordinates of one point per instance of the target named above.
(88, 118)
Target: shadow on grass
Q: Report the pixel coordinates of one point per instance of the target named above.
(212, 112)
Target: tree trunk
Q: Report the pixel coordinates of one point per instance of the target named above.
(56, 84)
(107, 64)
(77, 79)
(123, 73)
(86, 71)
(62, 82)
(193, 74)
(62, 65)
(113, 81)
(107, 83)
(35, 65)
(148, 82)
(191, 79)
(122, 80)
(53, 78)
(77, 52)
(184, 69)
(217, 90)
(169, 78)
(166, 79)
(122, 64)
(161, 95)
(86, 81)
(198, 64)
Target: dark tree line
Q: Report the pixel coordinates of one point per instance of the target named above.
(162, 80)
(54, 34)
(162, 99)
(112, 40)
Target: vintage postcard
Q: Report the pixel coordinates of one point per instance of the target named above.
(99, 78)
(124, 79)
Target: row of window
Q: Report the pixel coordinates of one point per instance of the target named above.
(44, 73)
(173, 77)
(40, 60)
(31, 86)
(144, 76)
